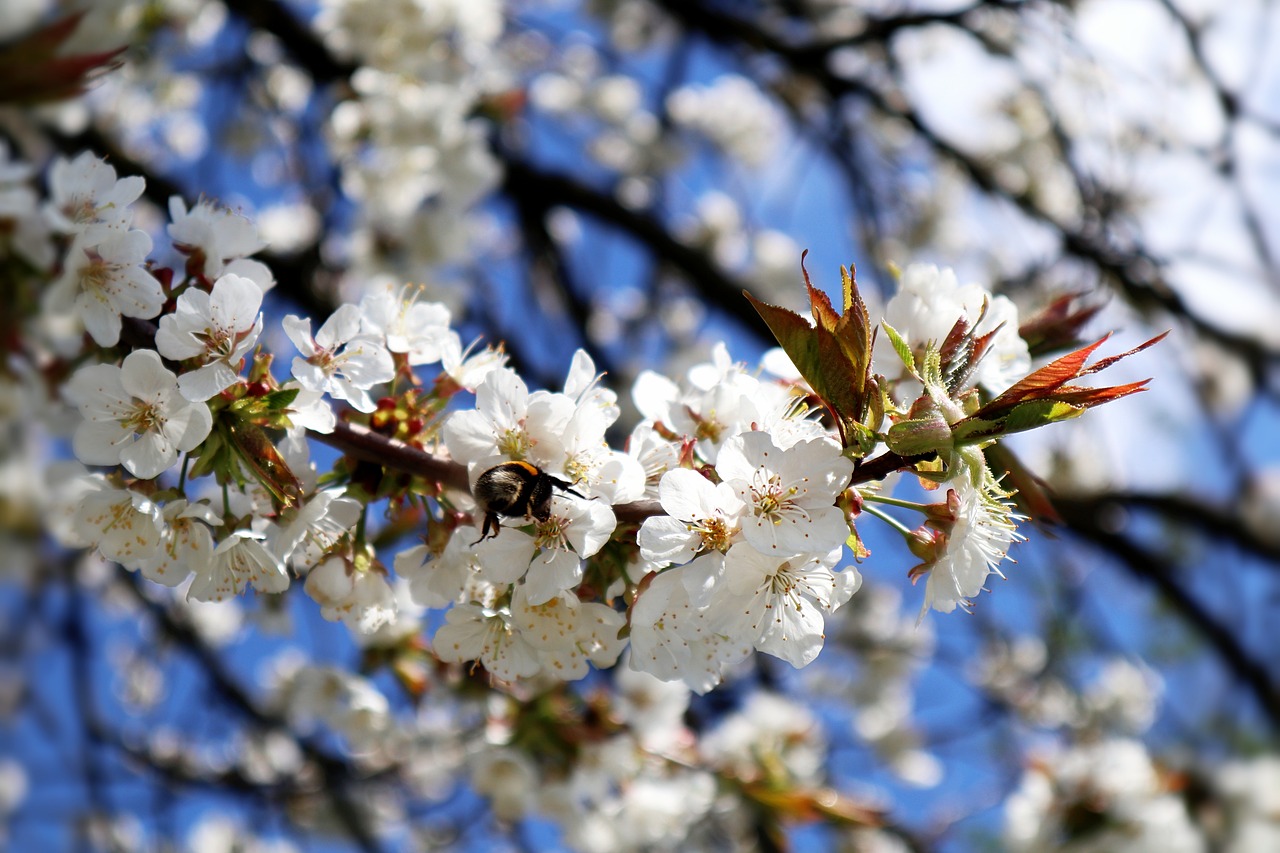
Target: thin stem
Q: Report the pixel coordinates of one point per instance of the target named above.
(885, 499)
(907, 533)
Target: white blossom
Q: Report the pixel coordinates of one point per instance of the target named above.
(363, 600)
(307, 535)
(732, 112)
(777, 604)
(347, 703)
(789, 493)
(966, 546)
(503, 424)
(928, 303)
(134, 415)
(549, 559)
(408, 325)
(568, 633)
(187, 544)
(466, 367)
(124, 525)
(86, 199)
(472, 632)
(217, 234)
(24, 231)
(216, 329)
(675, 640)
(309, 410)
(508, 778)
(339, 360)
(700, 516)
(239, 559)
(438, 580)
(104, 281)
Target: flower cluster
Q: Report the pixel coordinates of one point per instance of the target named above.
(724, 526)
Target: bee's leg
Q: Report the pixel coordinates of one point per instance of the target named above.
(490, 521)
(566, 487)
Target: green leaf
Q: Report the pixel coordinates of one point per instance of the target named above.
(856, 545)
(975, 430)
(1022, 417)
(902, 348)
(282, 398)
(1039, 413)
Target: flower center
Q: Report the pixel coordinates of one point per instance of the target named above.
(770, 498)
(784, 584)
(146, 416)
(577, 467)
(95, 276)
(218, 342)
(715, 533)
(551, 533)
(709, 429)
(514, 443)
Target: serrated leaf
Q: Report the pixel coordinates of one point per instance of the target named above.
(1043, 381)
(902, 348)
(856, 545)
(855, 331)
(32, 72)
(973, 430)
(824, 315)
(849, 289)
(851, 329)
(1050, 382)
(1057, 326)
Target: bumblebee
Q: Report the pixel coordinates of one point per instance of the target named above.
(514, 489)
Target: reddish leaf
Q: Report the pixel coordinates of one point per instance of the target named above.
(31, 72)
(1058, 325)
(1047, 389)
(1107, 362)
(823, 313)
(1044, 380)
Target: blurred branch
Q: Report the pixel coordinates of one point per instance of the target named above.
(1133, 270)
(1090, 523)
(530, 185)
(716, 286)
(336, 775)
